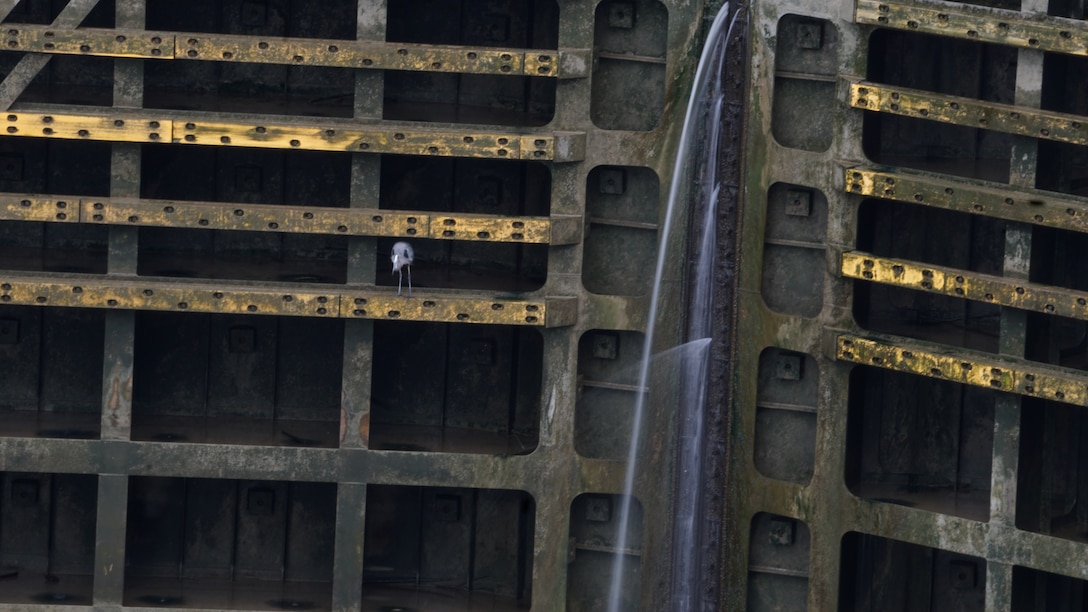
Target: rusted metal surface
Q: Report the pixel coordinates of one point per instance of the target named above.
(984, 24)
(1011, 292)
(968, 367)
(976, 197)
(1020, 120)
(117, 381)
(296, 51)
(166, 294)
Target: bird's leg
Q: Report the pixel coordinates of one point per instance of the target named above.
(400, 277)
(409, 280)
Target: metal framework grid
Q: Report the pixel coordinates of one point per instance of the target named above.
(791, 533)
(571, 145)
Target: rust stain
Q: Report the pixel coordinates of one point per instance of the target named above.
(364, 429)
(115, 395)
(120, 395)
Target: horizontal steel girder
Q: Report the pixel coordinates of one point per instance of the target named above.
(1037, 207)
(563, 229)
(346, 136)
(1008, 292)
(967, 367)
(154, 45)
(968, 112)
(984, 24)
(150, 293)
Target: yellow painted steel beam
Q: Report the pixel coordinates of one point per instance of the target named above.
(490, 227)
(975, 197)
(319, 220)
(112, 127)
(250, 49)
(984, 24)
(551, 312)
(288, 219)
(376, 139)
(968, 285)
(1020, 120)
(161, 294)
(86, 41)
(375, 55)
(28, 207)
(255, 217)
(966, 367)
(566, 63)
(332, 136)
(87, 291)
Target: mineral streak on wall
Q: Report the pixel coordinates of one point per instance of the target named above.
(212, 397)
(908, 417)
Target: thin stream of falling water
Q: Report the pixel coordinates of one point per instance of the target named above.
(690, 181)
(688, 548)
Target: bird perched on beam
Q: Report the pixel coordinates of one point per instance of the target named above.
(402, 257)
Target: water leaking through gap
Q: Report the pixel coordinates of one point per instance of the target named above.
(694, 179)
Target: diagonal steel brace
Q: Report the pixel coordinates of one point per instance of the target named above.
(31, 64)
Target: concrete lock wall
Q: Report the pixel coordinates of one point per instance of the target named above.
(214, 396)
(910, 367)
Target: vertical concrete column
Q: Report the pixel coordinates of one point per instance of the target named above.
(109, 545)
(120, 325)
(365, 179)
(358, 335)
(348, 556)
(572, 96)
(568, 197)
(553, 496)
(128, 92)
(559, 387)
(109, 577)
(123, 241)
(559, 396)
(1006, 447)
(1018, 237)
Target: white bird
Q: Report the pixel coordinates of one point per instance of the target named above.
(402, 257)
